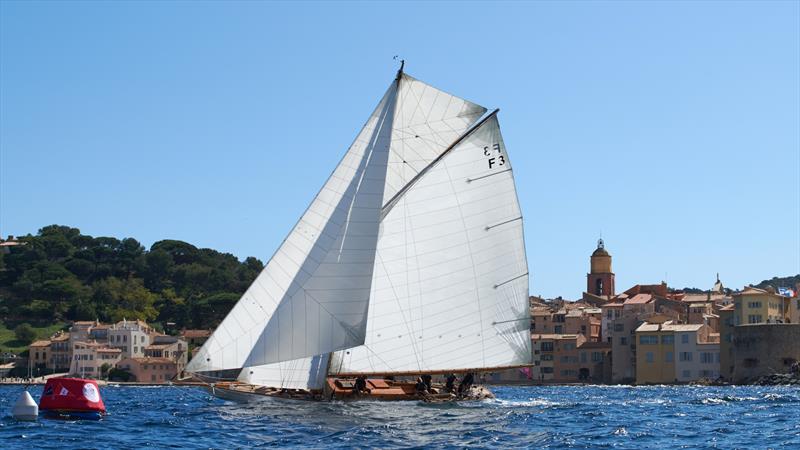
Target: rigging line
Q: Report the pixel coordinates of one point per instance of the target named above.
(509, 281)
(390, 204)
(470, 180)
(489, 227)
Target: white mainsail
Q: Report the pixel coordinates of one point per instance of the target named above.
(380, 239)
(451, 278)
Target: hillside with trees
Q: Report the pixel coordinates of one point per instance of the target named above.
(778, 282)
(62, 275)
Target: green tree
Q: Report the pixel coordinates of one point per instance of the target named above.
(25, 333)
(125, 299)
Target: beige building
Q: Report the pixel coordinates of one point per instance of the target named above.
(754, 305)
(130, 337)
(88, 359)
(169, 347)
(60, 352)
(676, 353)
(38, 353)
(151, 370)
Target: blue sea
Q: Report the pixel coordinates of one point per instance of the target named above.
(521, 417)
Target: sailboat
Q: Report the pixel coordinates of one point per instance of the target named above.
(410, 261)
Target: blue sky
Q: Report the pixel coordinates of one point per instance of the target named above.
(671, 127)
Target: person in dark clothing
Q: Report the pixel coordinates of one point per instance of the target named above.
(360, 385)
(420, 387)
(427, 379)
(466, 383)
(450, 383)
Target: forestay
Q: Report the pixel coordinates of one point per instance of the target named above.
(451, 278)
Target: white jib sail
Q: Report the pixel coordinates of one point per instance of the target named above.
(312, 296)
(451, 278)
(303, 373)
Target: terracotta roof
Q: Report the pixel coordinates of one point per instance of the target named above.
(60, 337)
(612, 305)
(40, 344)
(639, 299)
(727, 308)
(195, 333)
(157, 346)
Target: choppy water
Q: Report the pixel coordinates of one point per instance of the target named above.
(532, 417)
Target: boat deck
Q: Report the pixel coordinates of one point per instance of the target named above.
(343, 389)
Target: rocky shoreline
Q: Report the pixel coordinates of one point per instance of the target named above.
(777, 379)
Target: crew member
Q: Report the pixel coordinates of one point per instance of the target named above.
(466, 383)
(450, 383)
(360, 385)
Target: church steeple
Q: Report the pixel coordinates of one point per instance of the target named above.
(600, 279)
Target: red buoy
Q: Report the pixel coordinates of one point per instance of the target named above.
(72, 398)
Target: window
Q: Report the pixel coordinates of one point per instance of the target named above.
(547, 370)
(618, 327)
(153, 377)
(668, 357)
(559, 329)
(569, 346)
(135, 349)
(668, 339)
(754, 318)
(124, 338)
(684, 339)
(547, 357)
(754, 304)
(648, 339)
(686, 356)
(706, 357)
(597, 357)
(650, 357)
(583, 357)
(623, 340)
(547, 346)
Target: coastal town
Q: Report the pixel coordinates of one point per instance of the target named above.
(647, 334)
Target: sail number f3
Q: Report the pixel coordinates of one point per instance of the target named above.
(494, 160)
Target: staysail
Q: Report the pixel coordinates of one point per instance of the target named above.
(312, 297)
(451, 279)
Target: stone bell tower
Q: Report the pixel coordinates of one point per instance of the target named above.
(600, 279)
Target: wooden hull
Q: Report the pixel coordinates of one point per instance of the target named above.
(342, 390)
